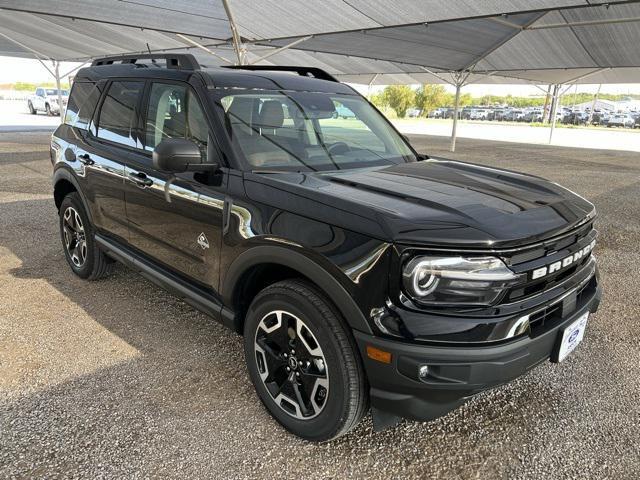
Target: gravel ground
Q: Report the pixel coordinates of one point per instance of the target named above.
(119, 379)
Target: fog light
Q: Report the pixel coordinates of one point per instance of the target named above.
(423, 371)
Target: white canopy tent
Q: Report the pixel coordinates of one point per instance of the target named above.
(559, 42)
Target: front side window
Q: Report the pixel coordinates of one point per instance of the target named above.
(174, 112)
(118, 116)
(303, 131)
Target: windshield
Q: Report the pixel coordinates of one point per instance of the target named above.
(51, 91)
(308, 131)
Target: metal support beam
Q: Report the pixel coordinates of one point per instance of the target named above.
(73, 70)
(554, 111)
(281, 49)
(202, 47)
(449, 82)
(373, 79)
(456, 112)
(545, 109)
(56, 66)
(235, 35)
(593, 105)
(504, 21)
(588, 23)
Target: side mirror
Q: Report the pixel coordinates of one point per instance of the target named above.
(180, 155)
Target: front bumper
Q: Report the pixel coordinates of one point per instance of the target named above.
(455, 372)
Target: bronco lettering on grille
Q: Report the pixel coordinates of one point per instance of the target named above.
(560, 264)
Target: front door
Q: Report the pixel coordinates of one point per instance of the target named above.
(175, 219)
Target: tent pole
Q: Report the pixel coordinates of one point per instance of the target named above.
(202, 47)
(235, 36)
(545, 110)
(593, 105)
(56, 66)
(554, 110)
(281, 49)
(456, 113)
(375, 77)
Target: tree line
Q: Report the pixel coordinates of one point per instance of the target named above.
(401, 98)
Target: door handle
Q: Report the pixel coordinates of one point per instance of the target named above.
(140, 179)
(85, 159)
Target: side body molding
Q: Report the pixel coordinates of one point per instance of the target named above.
(290, 258)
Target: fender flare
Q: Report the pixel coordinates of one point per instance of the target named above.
(297, 261)
(62, 173)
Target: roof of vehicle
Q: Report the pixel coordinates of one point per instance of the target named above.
(183, 67)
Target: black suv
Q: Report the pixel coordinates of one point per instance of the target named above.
(358, 271)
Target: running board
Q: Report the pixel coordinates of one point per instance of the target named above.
(194, 296)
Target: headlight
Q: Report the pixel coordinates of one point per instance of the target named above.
(456, 280)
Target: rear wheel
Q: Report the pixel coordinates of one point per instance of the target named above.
(303, 361)
(80, 249)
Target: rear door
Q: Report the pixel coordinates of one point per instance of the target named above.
(112, 138)
(175, 218)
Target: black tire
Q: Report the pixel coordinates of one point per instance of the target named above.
(32, 110)
(93, 264)
(346, 398)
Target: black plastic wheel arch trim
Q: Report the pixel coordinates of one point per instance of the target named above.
(289, 258)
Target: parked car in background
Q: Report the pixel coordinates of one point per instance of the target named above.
(438, 113)
(513, 115)
(414, 112)
(478, 114)
(575, 118)
(46, 100)
(532, 115)
(623, 120)
(495, 114)
(637, 121)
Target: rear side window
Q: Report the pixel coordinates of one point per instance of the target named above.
(82, 103)
(118, 115)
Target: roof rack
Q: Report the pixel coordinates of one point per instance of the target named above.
(302, 71)
(182, 61)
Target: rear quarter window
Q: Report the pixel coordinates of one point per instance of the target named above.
(82, 103)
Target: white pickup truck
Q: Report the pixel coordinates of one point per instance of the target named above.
(46, 100)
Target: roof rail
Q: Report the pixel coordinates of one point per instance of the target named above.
(302, 71)
(182, 61)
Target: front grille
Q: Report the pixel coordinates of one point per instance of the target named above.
(534, 287)
(545, 254)
(550, 316)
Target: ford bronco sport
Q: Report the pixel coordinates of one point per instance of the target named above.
(359, 272)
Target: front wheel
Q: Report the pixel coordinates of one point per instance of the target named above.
(303, 361)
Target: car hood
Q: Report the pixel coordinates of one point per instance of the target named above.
(432, 202)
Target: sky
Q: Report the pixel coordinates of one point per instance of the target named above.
(26, 70)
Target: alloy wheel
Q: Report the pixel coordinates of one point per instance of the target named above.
(75, 240)
(291, 364)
